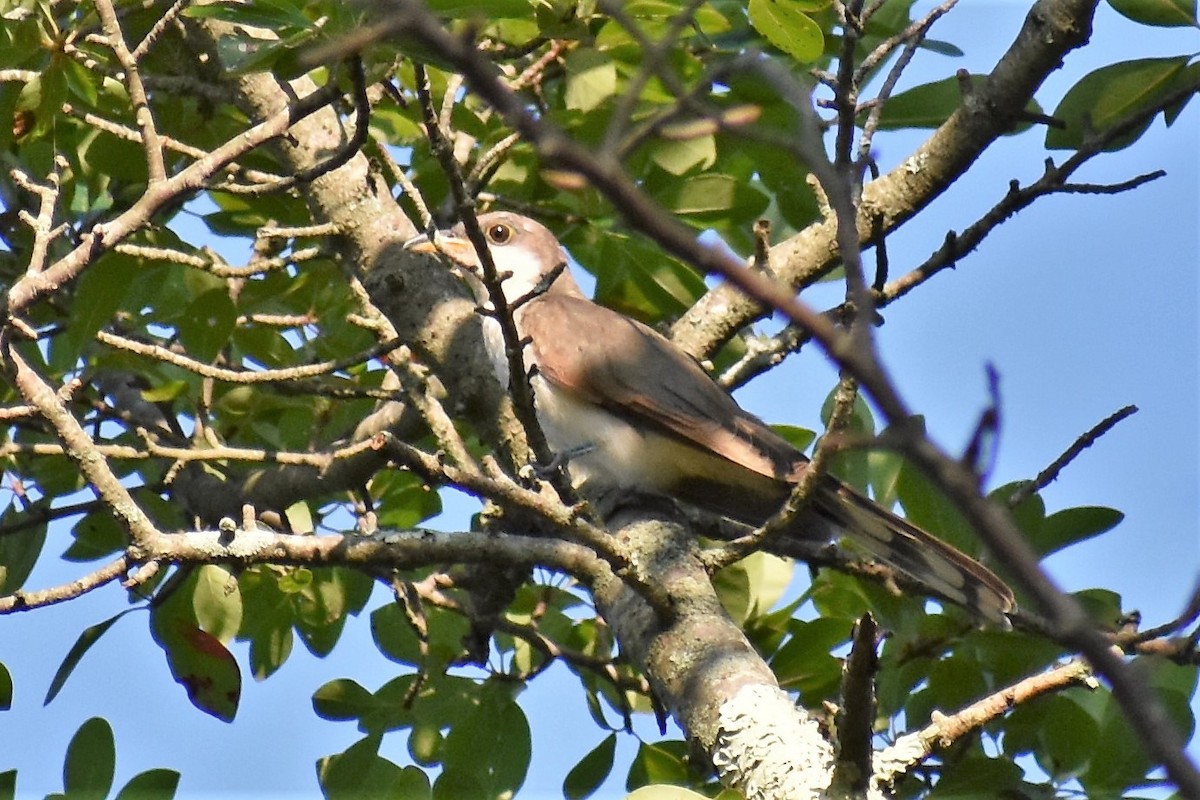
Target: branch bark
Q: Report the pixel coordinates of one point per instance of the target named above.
(707, 673)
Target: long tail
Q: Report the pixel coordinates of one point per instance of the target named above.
(902, 545)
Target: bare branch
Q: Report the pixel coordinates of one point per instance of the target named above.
(1051, 472)
(27, 601)
(856, 717)
(943, 731)
(80, 447)
(243, 376)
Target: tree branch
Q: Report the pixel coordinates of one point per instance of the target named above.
(943, 731)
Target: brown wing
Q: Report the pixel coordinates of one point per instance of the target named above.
(634, 372)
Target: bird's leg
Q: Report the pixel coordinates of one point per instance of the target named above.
(562, 459)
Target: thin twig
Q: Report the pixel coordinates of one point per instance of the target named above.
(798, 500)
(27, 601)
(243, 376)
(137, 91)
(1051, 472)
(519, 386)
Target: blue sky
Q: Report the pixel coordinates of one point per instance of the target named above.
(1082, 303)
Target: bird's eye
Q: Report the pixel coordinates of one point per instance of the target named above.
(499, 233)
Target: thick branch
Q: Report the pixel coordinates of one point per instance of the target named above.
(708, 675)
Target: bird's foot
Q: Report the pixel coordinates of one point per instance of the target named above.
(562, 460)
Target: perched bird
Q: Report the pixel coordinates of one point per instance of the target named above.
(633, 412)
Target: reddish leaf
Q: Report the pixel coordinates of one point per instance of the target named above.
(203, 666)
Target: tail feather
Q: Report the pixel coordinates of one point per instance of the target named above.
(903, 546)
(838, 511)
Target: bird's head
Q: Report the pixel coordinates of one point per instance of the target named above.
(525, 253)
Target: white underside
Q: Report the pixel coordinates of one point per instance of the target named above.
(603, 449)
(611, 453)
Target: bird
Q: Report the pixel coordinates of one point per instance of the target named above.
(629, 411)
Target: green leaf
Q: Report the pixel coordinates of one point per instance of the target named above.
(852, 465)
(266, 621)
(322, 606)
(784, 24)
(472, 8)
(361, 772)
(441, 701)
(1119, 758)
(342, 699)
(1073, 525)
(799, 438)
(640, 280)
(96, 535)
(207, 324)
(87, 638)
(884, 469)
(714, 195)
(924, 106)
(491, 747)
(753, 585)
(453, 785)
(1065, 738)
(707, 17)
(978, 777)
(664, 793)
(660, 762)
(272, 16)
(80, 81)
(153, 784)
(805, 663)
(1029, 515)
(1011, 655)
(1163, 13)
(1191, 75)
(591, 79)
(955, 683)
(8, 784)
(19, 550)
(299, 517)
(931, 104)
(6, 688)
(1111, 94)
(91, 761)
(928, 508)
(404, 499)
(837, 595)
(101, 289)
(1102, 606)
(425, 745)
(396, 639)
(217, 602)
(681, 157)
(591, 771)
